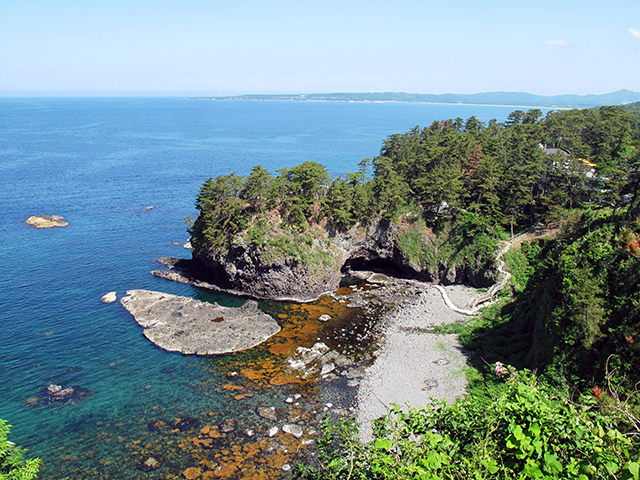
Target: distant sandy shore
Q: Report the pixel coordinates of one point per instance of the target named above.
(413, 365)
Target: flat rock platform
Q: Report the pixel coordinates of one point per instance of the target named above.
(189, 326)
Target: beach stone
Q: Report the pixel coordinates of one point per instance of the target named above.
(273, 431)
(267, 412)
(109, 297)
(327, 368)
(295, 430)
(324, 318)
(46, 221)
(189, 326)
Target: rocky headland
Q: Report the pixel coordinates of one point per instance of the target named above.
(286, 268)
(190, 326)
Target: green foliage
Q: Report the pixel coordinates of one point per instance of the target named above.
(513, 427)
(576, 303)
(12, 464)
(497, 171)
(222, 213)
(415, 244)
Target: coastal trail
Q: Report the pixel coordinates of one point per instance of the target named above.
(488, 297)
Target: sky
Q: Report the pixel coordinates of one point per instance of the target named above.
(198, 47)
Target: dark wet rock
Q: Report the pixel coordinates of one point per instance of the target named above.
(149, 463)
(228, 426)
(193, 327)
(188, 423)
(58, 394)
(46, 221)
(267, 412)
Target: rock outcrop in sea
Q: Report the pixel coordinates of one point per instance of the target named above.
(46, 221)
(259, 270)
(190, 326)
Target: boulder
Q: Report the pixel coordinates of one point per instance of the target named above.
(109, 297)
(189, 326)
(149, 463)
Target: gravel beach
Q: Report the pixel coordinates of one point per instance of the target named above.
(413, 365)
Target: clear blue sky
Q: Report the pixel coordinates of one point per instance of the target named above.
(212, 47)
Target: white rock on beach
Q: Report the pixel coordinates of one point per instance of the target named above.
(295, 430)
(109, 297)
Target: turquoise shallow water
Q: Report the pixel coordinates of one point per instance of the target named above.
(99, 163)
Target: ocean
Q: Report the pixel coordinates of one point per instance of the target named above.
(100, 163)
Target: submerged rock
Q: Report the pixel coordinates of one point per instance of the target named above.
(228, 426)
(149, 463)
(57, 394)
(267, 412)
(46, 221)
(190, 326)
(184, 424)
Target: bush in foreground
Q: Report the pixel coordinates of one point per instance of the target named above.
(12, 465)
(515, 428)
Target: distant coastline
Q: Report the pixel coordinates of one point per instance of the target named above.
(512, 99)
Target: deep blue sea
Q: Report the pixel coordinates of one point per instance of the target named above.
(99, 163)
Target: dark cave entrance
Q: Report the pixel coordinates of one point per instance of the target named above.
(379, 265)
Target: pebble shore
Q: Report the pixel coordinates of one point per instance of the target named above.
(414, 365)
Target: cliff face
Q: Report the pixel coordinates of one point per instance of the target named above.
(252, 270)
(303, 270)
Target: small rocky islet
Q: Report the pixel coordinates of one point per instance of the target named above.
(46, 221)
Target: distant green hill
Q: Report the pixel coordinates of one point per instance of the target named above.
(489, 98)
